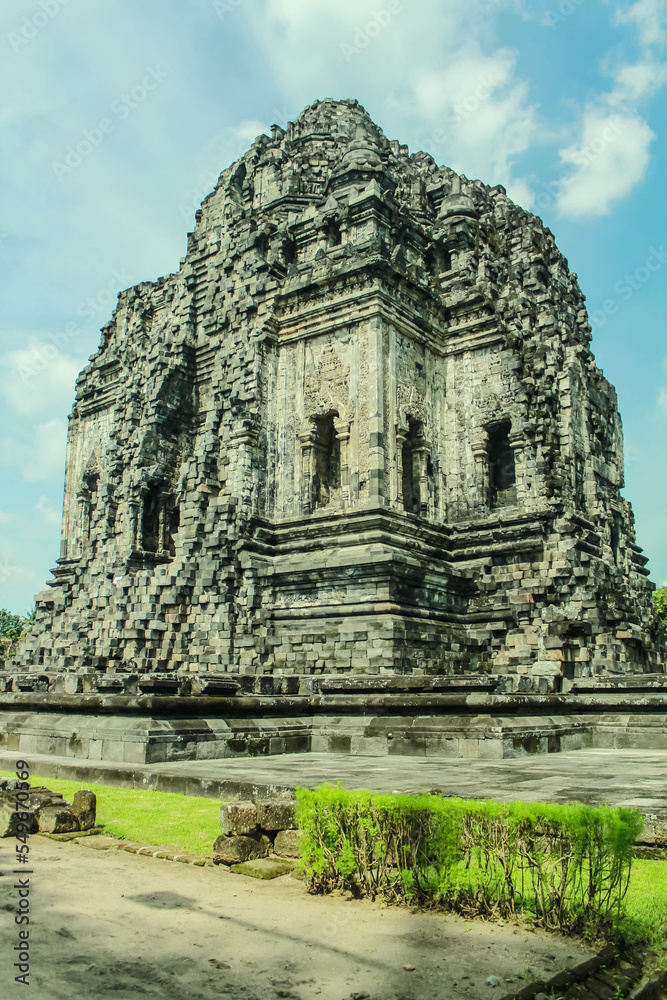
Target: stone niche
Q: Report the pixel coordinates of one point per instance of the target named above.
(358, 436)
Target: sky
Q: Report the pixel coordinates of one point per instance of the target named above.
(116, 117)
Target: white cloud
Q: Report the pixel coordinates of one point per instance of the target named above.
(649, 17)
(47, 460)
(7, 569)
(608, 167)
(38, 380)
(247, 131)
(302, 41)
(49, 513)
(638, 81)
(662, 400)
(18, 577)
(610, 158)
(479, 116)
(440, 68)
(41, 456)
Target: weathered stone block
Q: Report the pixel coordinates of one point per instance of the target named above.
(238, 817)
(264, 868)
(286, 843)
(545, 668)
(84, 807)
(230, 850)
(57, 819)
(276, 814)
(8, 820)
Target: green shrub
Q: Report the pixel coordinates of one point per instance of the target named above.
(564, 867)
(660, 598)
(12, 628)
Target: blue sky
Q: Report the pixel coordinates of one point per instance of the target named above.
(563, 102)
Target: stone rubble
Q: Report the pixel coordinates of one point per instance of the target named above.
(47, 811)
(254, 829)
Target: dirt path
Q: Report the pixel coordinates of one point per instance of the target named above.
(111, 924)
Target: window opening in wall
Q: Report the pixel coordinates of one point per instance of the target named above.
(616, 537)
(289, 251)
(150, 522)
(502, 471)
(438, 260)
(327, 460)
(174, 525)
(333, 234)
(92, 483)
(410, 466)
(579, 488)
(568, 662)
(237, 181)
(563, 680)
(262, 243)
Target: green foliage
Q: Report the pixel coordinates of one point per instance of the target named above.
(645, 918)
(660, 599)
(12, 628)
(165, 819)
(565, 867)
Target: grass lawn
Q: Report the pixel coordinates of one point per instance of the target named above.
(646, 907)
(184, 822)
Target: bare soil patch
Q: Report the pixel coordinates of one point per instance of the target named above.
(105, 923)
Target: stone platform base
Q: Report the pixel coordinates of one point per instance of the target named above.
(485, 736)
(137, 720)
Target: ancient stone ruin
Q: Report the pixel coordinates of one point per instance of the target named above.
(26, 809)
(349, 479)
(256, 829)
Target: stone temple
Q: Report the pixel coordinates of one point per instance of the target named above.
(348, 480)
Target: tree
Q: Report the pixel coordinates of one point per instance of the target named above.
(13, 628)
(660, 598)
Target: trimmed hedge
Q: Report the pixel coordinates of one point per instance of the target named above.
(566, 867)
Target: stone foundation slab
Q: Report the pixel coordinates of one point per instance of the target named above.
(146, 740)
